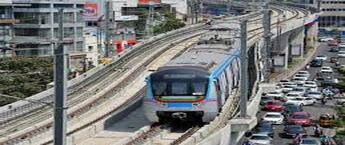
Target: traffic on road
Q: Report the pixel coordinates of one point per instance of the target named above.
(301, 110)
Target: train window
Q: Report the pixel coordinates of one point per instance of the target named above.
(179, 88)
(159, 88)
(199, 88)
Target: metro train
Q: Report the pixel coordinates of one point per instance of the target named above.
(196, 84)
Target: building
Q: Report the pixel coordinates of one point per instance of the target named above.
(37, 31)
(6, 27)
(333, 13)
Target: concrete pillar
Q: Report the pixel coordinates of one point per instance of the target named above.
(75, 12)
(297, 44)
(286, 57)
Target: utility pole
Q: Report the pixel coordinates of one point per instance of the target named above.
(107, 28)
(267, 38)
(60, 78)
(244, 69)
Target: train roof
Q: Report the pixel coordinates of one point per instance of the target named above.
(210, 51)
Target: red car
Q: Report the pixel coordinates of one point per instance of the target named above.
(332, 43)
(301, 118)
(273, 106)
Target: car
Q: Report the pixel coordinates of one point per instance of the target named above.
(291, 108)
(301, 118)
(274, 117)
(341, 54)
(321, 57)
(316, 63)
(340, 100)
(341, 45)
(333, 60)
(293, 130)
(287, 89)
(326, 81)
(301, 101)
(326, 69)
(293, 94)
(334, 49)
(332, 43)
(299, 90)
(273, 106)
(293, 84)
(325, 39)
(260, 139)
(283, 81)
(309, 141)
(299, 81)
(302, 76)
(265, 99)
(310, 84)
(303, 73)
(314, 94)
(275, 95)
(264, 127)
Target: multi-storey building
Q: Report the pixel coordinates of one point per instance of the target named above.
(37, 30)
(6, 25)
(333, 13)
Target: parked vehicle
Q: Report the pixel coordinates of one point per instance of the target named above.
(293, 130)
(310, 84)
(340, 100)
(301, 118)
(291, 108)
(334, 49)
(326, 120)
(316, 95)
(316, 63)
(309, 141)
(341, 54)
(301, 101)
(265, 99)
(264, 127)
(262, 139)
(303, 73)
(326, 69)
(274, 117)
(334, 60)
(275, 95)
(287, 89)
(325, 39)
(321, 57)
(332, 43)
(273, 106)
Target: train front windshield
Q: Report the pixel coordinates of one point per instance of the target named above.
(179, 87)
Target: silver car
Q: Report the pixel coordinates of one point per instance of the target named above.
(309, 141)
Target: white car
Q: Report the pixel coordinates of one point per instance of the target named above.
(300, 76)
(325, 39)
(322, 57)
(293, 94)
(341, 45)
(275, 94)
(310, 84)
(292, 84)
(278, 89)
(298, 90)
(341, 54)
(298, 81)
(286, 89)
(274, 117)
(260, 139)
(300, 101)
(303, 73)
(315, 94)
(326, 69)
(313, 89)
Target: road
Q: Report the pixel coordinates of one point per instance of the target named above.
(315, 110)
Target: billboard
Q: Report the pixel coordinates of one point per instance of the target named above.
(147, 2)
(90, 9)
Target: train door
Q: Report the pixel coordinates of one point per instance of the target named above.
(219, 94)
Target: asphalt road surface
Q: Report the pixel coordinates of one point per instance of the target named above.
(317, 109)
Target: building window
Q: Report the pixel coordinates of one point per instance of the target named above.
(26, 32)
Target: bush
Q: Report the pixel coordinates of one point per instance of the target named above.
(171, 23)
(23, 77)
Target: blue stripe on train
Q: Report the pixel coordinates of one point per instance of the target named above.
(180, 105)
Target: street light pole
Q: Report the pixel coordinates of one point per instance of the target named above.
(244, 70)
(60, 78)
